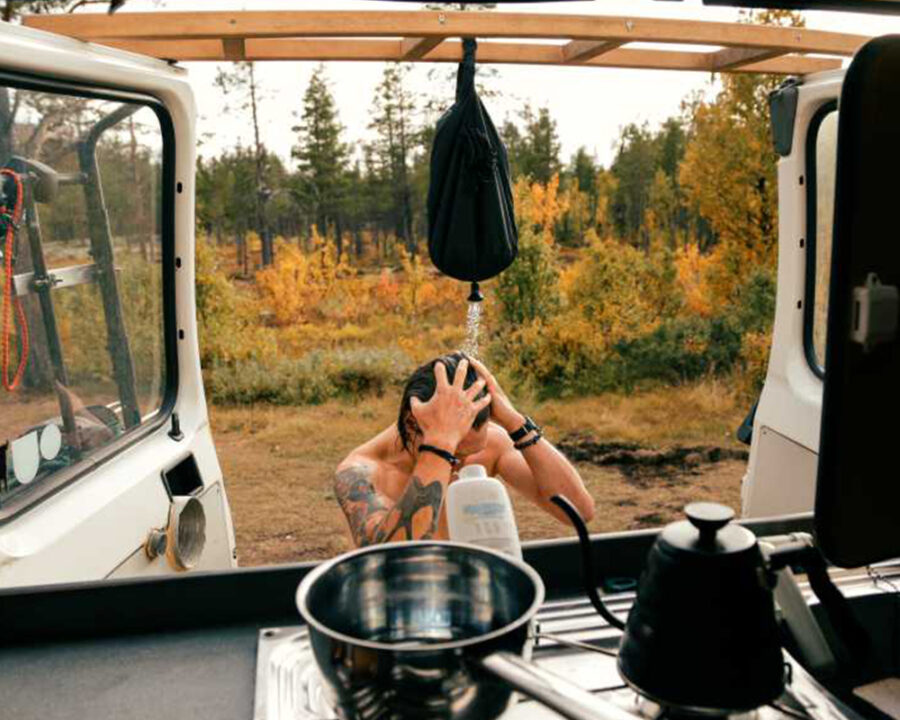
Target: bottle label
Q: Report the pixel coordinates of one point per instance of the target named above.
(488, 509)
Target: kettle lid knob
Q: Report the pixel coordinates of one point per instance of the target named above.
(708, 518)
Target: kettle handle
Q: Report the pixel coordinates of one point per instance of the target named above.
(588, 575)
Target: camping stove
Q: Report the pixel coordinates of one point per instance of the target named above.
(290, 687)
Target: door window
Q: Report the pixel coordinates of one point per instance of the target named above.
(83, 347)
(821, 163)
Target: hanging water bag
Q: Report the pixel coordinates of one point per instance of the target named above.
(471, 226)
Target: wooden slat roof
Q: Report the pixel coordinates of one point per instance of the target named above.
(427, 36)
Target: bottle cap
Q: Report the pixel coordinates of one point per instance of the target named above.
(473, 471)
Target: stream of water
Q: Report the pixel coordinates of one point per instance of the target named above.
(473, 326)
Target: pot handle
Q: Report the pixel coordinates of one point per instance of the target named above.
(557, 693)
(587, 560)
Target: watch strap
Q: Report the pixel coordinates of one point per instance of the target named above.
(441, 453)
(528, 427)
(528, 443)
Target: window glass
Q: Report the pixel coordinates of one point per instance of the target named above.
(825, 165)
(83, 357)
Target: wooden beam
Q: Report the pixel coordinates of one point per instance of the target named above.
(791, 65)
(182, 50)
(234, 49)
(577, 51)
(733, 58)
(417, 48)
(451, 51)
(420, 24)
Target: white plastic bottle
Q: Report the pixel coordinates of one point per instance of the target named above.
(479, 512)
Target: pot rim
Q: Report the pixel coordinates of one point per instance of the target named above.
(305, 587)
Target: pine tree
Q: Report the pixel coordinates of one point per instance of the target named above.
(396, 139)
(240, 85)
(322, 158)
(534, 151)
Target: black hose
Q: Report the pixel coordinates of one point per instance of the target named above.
(587, 561)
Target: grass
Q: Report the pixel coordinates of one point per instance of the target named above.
(279, 462)
(707, 412)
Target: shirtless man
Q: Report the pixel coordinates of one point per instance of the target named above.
(453, 413)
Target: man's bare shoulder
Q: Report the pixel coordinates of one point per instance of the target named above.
(370, 455)
(359, 465)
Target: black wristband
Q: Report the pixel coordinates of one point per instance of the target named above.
(529, 426)
(444, 454)
(528, 443)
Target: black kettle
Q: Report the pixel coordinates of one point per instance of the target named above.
(702, 634)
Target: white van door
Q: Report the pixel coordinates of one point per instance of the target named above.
(107, 466)
(781, 474)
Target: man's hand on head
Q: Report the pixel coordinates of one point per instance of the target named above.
(449, 414)
(502, 410)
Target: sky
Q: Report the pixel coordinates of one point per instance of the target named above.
(590, 105)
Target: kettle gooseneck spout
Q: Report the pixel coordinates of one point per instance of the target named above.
(587, 561)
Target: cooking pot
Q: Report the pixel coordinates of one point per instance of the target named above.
(431, 630)
(701, 635)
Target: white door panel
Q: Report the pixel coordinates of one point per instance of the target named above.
(96, 525)
(791, 401)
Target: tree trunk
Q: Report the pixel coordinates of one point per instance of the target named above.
(259, 205)
(7, 120)
(339, 236)
(358, 241)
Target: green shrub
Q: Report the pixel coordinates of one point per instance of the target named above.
(528, 289)
(564, 358)
(679, 349)
(311, 379)
(754, 309)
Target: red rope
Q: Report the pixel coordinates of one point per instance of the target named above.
(12, 220)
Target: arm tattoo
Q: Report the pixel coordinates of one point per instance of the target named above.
(418, 497)
(372, 520)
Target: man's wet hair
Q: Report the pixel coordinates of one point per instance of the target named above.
(422, 384)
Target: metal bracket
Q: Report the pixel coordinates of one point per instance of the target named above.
(30, 282)
(875, 311)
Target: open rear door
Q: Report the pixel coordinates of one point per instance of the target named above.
(105, 447)
(857, 494)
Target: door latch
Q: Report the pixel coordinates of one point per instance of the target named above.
(874, 320)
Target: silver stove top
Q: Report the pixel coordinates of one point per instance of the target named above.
(289, 686)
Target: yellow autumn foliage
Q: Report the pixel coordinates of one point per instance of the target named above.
(692, 268)
(299, 286)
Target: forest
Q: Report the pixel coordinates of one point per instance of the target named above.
(314, 280)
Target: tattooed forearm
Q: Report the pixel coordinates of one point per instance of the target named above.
(359, 501)
(415, 516)
(372, 519)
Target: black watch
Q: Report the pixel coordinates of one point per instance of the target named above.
(528, 427)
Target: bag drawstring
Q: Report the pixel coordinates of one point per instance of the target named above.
(480, 155)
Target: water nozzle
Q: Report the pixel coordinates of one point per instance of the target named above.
(475, 293)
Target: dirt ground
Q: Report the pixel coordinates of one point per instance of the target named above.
(642, 458)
